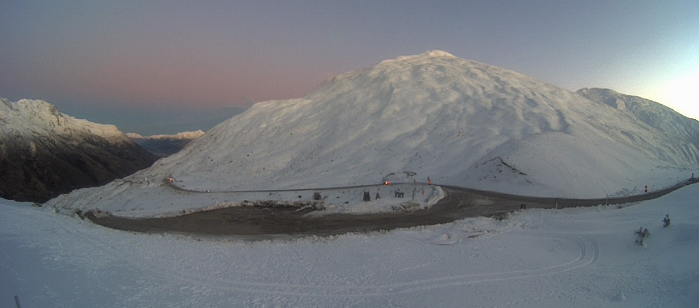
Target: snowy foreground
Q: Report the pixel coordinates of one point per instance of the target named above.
(582, 257)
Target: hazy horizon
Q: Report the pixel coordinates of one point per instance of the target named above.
(115, 62)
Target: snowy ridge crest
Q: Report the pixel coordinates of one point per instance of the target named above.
(178, 136)
(44, 119)
(425, 55)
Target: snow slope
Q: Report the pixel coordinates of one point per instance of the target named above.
(582, 257)
(647, 111)
(433, 115)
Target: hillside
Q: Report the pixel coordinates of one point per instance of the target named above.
(434, 115)
(44, 153)
(648, 112)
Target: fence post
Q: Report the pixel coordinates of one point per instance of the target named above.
(17, 302)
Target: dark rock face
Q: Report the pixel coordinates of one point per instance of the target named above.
(38, 170)
(37, 164)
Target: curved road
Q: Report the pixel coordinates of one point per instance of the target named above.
(274, 221)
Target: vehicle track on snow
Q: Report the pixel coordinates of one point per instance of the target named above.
(458, 203)
(585, 249)
(587, 254)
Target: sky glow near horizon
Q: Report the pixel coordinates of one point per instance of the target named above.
(92, 58)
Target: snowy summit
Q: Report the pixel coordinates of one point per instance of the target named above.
(456, 121)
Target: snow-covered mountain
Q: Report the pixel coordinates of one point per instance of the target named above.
(179, 136)
(165, 145)
(433, 115)
(44, 152)
(653, 114)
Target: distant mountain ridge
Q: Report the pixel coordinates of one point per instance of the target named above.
(165, 145)
(182, 135)
(457, 121)
(649, 112)
(44, 152)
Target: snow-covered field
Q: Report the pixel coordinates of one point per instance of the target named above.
(582, 257)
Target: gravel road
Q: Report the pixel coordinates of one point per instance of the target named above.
(270, 221)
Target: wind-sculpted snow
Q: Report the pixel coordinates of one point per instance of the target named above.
(434, 115)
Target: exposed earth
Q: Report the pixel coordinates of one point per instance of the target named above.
(269, 220)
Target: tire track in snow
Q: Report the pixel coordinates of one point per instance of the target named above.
(588, 253)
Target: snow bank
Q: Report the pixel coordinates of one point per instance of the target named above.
(149, 197)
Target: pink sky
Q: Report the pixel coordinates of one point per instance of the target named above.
(118, 55)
